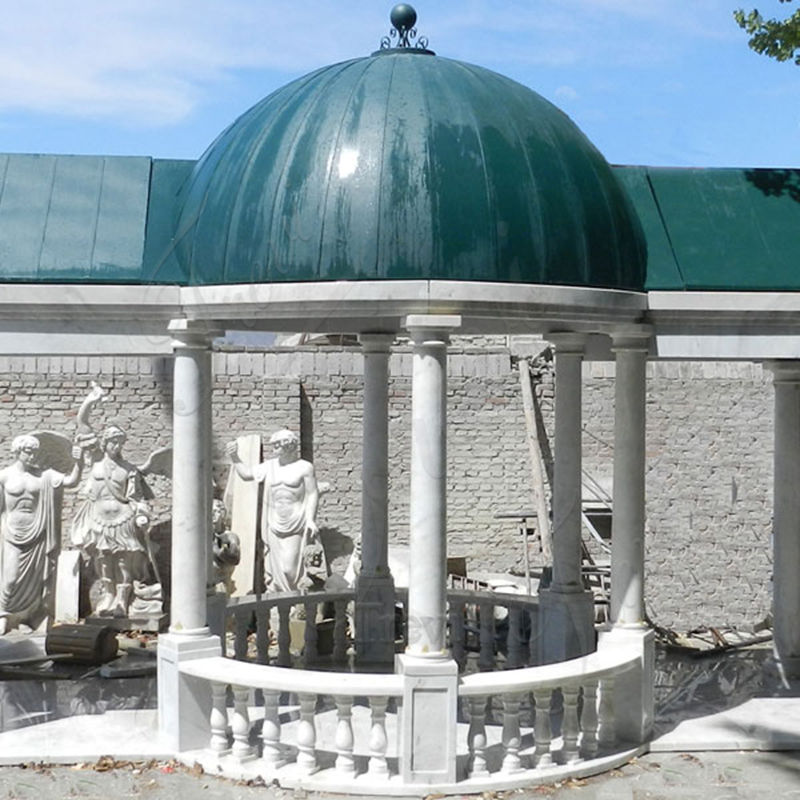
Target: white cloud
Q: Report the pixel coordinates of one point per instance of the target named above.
(129, 58)
(566, 93)
(154, 62)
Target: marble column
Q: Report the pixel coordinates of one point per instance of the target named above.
(427, 602)
(430, 694)
(374, 606)
(191, 518)
(566, 606)
(627, 537)
(184, 704)
(567, 480)
(786, 518)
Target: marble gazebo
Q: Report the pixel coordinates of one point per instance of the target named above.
(404, 194)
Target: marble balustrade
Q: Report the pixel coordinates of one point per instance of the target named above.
(335, 729)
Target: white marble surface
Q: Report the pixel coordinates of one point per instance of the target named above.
(761, 723)
(125, 735)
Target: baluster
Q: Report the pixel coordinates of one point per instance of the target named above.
(512, 739)
(262, 635)
(533, 640)
(310, 655)
(307, 734)
(240, 640)
(476, 737)
(339, 631)
(471, 625)
(404, 618)
(344, 740)
(457, 643)
(218, 720)
(284, 656)
(262, 647)
(515, 654)
(589, 720)
(240, 725)
(486, 657)
(272, 753)
(378, 740)
(606, 722)
(541, 729)
(569, 725)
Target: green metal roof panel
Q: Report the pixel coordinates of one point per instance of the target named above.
(121, 216)
(663, 271)
(731, 229)
(167, 178)
(404, 165)
(72, 218)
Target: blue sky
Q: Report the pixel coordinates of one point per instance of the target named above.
(659, 82)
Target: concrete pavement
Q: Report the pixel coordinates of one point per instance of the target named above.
(658, 776)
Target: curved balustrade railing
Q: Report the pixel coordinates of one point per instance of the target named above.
(483, 623)
(574, 699)
(339, 730)
(270, 617)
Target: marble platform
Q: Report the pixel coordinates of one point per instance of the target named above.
(728, 702)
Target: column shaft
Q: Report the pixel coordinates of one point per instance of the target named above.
(427, 591)
(567, 471)
(374, 604)
(375, 457)
(191, 518)
(786, 519)
(627, 540)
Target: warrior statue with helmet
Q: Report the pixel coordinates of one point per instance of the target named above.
(112, 525)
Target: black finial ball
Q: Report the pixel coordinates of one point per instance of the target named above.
(403, 17)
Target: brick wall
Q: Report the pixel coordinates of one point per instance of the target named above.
(709, 446)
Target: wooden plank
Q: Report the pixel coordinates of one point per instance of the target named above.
(241, 497)
(537, 462)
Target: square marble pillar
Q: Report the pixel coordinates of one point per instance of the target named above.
(374, 620)
(634, 701)
(566, 625)
(184, 702)
(428, 719)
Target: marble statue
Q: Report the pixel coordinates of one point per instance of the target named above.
(112, 524)
(226, 548)
(288, 524)
(30, 527)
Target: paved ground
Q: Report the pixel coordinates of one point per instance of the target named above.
(659, 776)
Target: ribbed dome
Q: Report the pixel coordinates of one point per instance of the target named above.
(405, 165)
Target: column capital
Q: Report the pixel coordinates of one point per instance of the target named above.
(431, 326)
(637, 339)
(567, 342)
(376, 342)
(194, 334)
(784, 371)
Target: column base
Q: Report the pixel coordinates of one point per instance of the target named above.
(566, 625)
(184, 703)
(634, 701)
(428, 718)
(374, 620)
(788, 666)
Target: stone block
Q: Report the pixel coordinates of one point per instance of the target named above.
(184, 703)
(241, 498)
(68, 586)
(428, 719)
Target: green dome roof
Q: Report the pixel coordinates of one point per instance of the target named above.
(406, 165)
